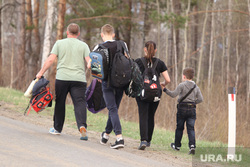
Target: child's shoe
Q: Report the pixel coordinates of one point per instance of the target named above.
(192, 150)
(104, 138)
(172, 145)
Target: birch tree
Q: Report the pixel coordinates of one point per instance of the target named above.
(185, 38)
(228, 40)
(248, 67)
(211, 50)
(202, 43)
(48, 31)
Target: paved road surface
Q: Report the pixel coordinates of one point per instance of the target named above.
(23, 144)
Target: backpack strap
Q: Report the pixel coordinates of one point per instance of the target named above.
(92, 87)
(144, 62)
(187, 94)
(122, 43)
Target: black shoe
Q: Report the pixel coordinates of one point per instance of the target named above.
(118, 144)
(148, 144)
(191, 151)
(143, 145)
(172, 145)
(103, 140)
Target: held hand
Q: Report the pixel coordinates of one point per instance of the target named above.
(99, 80)
(163, 84)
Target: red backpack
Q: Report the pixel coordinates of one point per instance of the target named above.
(41, 98)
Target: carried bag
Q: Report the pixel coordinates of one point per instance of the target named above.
(100, 62)
(41, 97)
(121, 67)
(151, 91)
(94, 97)
(136, 81)
(184, 97)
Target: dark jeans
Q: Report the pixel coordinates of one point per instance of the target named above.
(146, 118)
(77, 92)
(185, 113)
(112, 97)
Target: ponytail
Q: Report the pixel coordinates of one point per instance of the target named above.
(151, 46)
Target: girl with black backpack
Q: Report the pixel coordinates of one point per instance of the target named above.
(148, 101)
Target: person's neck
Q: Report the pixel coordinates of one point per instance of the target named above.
(108, 38)
(71, 36)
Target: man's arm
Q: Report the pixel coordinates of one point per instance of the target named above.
(49, 61)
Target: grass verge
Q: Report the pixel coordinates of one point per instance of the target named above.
(212, 152)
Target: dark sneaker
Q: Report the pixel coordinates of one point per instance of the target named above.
(148, 144)
(118, 144)
(143, 145)
(191, 151)
(172, 145)
(103, 139)
(83, 133)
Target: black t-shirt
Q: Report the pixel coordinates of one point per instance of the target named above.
(161, 67)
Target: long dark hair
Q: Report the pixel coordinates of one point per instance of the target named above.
(151, 46)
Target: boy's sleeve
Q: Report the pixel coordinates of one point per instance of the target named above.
(198, 96)
(174, 93)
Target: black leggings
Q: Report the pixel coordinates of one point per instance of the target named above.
(146, 118)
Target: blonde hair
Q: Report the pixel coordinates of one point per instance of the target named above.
(107, 29)
(73, 28)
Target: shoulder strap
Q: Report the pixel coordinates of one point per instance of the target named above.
(144, 62)
(124, 47)
(187, 94)
(155, 63)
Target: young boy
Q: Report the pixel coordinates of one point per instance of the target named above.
(186, 109)
(111, 95)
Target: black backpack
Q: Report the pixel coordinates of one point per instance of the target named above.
(136, 82)
(121, 67)
(100, 62)
(151, 91)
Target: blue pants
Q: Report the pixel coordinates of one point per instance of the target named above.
(112, 97)
(187, 114)
(77, 93)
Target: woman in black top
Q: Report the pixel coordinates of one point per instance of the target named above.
(147, 109)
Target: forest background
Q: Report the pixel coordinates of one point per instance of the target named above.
(212, 36)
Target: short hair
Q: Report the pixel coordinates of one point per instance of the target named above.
(189, 73)
(107, 29)
(73, 28)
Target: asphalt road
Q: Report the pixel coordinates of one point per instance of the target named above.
(23, 144)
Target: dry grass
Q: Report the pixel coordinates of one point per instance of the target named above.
(212, 115)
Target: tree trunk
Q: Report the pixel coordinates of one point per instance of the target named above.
(47, 33)
(60, 22)
(228, 41)
(248, 67)
(158, 29)
(185, 38)
(174, 48)
(37, 40)
(211, 53)
(202, 43)
(20, 43)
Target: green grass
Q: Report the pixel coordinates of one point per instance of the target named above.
(161, 137)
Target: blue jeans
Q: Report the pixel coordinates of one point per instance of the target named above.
(112, 97)
(185, 114)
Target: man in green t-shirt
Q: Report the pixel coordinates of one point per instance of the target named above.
(70, 78)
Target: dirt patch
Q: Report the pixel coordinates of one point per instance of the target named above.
(7, 110)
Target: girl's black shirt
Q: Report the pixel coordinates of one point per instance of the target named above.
(161, 66)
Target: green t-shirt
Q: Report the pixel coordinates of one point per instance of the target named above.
(71, 54)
